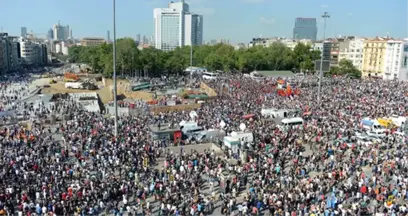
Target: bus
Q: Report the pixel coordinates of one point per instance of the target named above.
(210, 75)
(292, 121)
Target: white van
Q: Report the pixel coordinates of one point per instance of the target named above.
(292, 121)
(210, 75)
(73, 85)
(376, 133)
(256, 76)
(229, 141)
(245, 136)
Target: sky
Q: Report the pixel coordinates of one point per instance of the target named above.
(237, 20)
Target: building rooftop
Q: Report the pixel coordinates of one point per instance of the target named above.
(92, 38)
(276, 73)
(305, 18)
(164, 128)
(380, 39)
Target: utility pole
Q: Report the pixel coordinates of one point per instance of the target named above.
(115, 89)
(325, 17)
(191, 62)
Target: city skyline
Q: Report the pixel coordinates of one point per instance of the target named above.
(248, 19)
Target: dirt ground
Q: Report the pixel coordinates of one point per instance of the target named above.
(123, 89)
(105, 93)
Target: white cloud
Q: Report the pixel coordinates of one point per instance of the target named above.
(267, 21)
(254, 1)
(204, 11)
(324, 6)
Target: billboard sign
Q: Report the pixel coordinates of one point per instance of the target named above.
(325, 66)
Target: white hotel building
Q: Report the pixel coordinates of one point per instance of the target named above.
(175, 27)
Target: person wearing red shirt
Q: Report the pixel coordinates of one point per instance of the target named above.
(363, 189)
(24, 198)
(64, 196)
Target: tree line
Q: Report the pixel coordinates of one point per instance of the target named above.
(218, 57)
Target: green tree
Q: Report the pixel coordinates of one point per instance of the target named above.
(126, 52)
(223, 57)
(74, 53)
(345, 67)
(177, 61)
(305, 57)
(335, 70)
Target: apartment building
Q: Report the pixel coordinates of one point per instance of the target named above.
(334, 52)
(33, 53)
(352, 50)
(2, 67)
(91, 41)
(17, 51)
(15, 54)
(291, 44)
(265, 42)
(374, 52)
(395, 58)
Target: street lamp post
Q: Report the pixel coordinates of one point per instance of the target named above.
(325, 17)
(191, 62)
(115, 90)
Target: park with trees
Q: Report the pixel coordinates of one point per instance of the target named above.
(217, 57)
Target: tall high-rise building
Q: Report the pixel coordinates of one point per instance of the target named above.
(50, 34)
(23, 32)
(175, 26)
(70, 34)
(61, 32)
(108, 36)
(138, 38)
(58, 31)
(305, 28)
(66, 32)
(193, 33)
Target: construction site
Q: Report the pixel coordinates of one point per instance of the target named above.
(160, 97)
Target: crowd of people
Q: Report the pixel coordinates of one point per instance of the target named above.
(78, 166)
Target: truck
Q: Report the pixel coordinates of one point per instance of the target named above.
(370, 124)
(73, 85)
